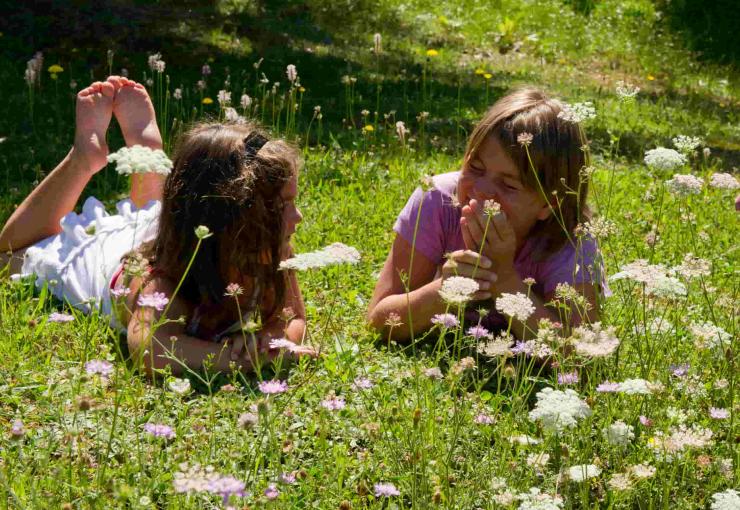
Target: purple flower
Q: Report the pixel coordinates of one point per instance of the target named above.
(287, 478)
(17, 430)
(718, 413)
(226, 486)
(483, 419)
(100, 367)
(522, 348)
(645, 421)
(608, 387)
(385, 489)
(60, 317)
(479, 332)
(568, 378)
(680, 370)
(333, 403)
(156, 300)
(446, 320)
(159, 430)
(120, 292)
(273, 387)
(362, 383)
(272, 491)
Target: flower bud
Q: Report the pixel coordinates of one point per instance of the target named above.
(202, 232)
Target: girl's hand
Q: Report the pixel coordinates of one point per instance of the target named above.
(238, 345)
(497, 241)
(471, 265)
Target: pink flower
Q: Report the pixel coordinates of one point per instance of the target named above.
(159, 430)
(385, 489)
(479, 332)
(100, 367)
(568, 378)
(333, 403)
(446, 320)
(60, 317)
(645, 421)
(608, 387)
(119, 292)
(718, 413)
(273, 387)
(156, 300)
(362, 383)
(287, 478)
(483, 419)
(17, 430)
(272, 491)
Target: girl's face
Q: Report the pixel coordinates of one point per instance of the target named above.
(291, 215)
(489, 173)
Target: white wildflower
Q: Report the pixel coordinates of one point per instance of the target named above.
(724, 181)
(654, 276)
(499, 346)
(635, 387)
(224, 98)
(536, 500)
(619, 433)
(177, 94)
(593, 341)
(231, 115)
(577, 112)
(692, 267)
(401, 131)
(680, 439)
(336, 253)
(709, 336)
(684, 184)
(583, 472)
(179, 386)
(291, 73)
(642, 471)
(245, 101)
(620, 482)
(524, 440)
(458, 289)
(598, 228)
(538, 460)
(627, 91)
(140, 160)
(516, 305)
(377, 43)
(156, 63)
(664, 159)
(686, 145)
(727, 500)
(558, 410)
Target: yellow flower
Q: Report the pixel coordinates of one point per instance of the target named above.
(561, 61)
(432, 53)
(301, 89)
(56, 68)
(650, 77)
(488, 76)
(368, 128)
(207, 100)
(480, 71)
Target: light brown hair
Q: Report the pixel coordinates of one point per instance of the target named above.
(556, 152)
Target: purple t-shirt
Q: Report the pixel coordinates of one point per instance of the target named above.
(439, 233)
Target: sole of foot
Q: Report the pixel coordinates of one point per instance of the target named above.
(93, 112)
(134, 112)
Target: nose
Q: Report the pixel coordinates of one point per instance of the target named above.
(298, 216)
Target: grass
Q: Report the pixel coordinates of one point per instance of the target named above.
(83, 443)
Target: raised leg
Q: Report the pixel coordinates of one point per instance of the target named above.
(134, 112)
(38, 215)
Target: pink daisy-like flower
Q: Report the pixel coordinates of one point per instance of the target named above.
(226, 486)
(60, 317)
(272, 492)
(120, 292)
(608, 387)
(273, 387)
(333, 403)
(479, 332)
(100, 367)
(159, 430)
(385, 490)
(645, 421)
(157, 300)
(568, 378)
(287, 478)
(483, 419)
(446, 320)
(680, 370)
(362, 383)
(719, 413)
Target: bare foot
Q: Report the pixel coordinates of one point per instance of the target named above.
(135, 113)
(93, 113)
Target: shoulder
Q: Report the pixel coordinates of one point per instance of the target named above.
(446, 184)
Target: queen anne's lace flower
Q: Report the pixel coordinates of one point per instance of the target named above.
(681, 438)
(692, 267)
(140, 160)
(516, 305)
(727, 500)
(687, 144)
(577, 112)
(536, 500)
(654, 276)
(664, 159)
(583, 472)
(179, 386)
(627, 91)
(709, 336)
(642, 471)
(458, 289)
(558, 410)
(499, 346)
(635, 387)
(593, 341)
(724, 181)
(336, 253)
(619, 433)
(684, 184)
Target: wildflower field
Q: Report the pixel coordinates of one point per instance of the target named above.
(640, 413)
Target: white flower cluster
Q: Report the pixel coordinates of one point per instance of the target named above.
(721, 180)
(193, 479)
(598, 228)
(627, 91)
(224, 98)
(635, 387)
(499, 346)
(687, 144)
(684, 184)
(156, 63)
(654, 276)
(458, 289)
(619, 433)
(577, 112)
(536, 500)
(336, 253)
(517, 305)
(140, 160)
(583, 472)
(558, 410)
(681, 438)
(664, 159)
(593, 341)
(692, 267)
(654, 326)
(709, 336)
(231, 115)
(727, 500)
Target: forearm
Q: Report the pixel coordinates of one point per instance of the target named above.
(38, 215)
(415, 308)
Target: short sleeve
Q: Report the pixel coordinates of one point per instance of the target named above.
(428, 238)
(574, 265)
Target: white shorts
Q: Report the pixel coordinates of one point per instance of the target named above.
(79, 262)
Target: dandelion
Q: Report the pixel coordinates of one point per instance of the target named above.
(583, 472)
(207, 101)
(291, 73)
(99, 367)
(558, 410)
(368, 128)
(517, 305)
(245, 101)
(432, 53)
(577, 112)
(684, 184)
(401, 131)
(445, 320)
(333, 403)
(385, 490)
(156, 300)
(724, 181)
(718, 413)
(60, 317)
(661, 158)
(686, 145)
(619, 433)
(627, 91)
(273, 387)
(524, 139)
(179, 386)
(727, 500)
(336, 253)
(54, 70)
(458, 289)
(159, 430)
(140, 160)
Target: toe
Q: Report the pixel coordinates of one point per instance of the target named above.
(108, 89)
(95, 86)
(116, 81)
